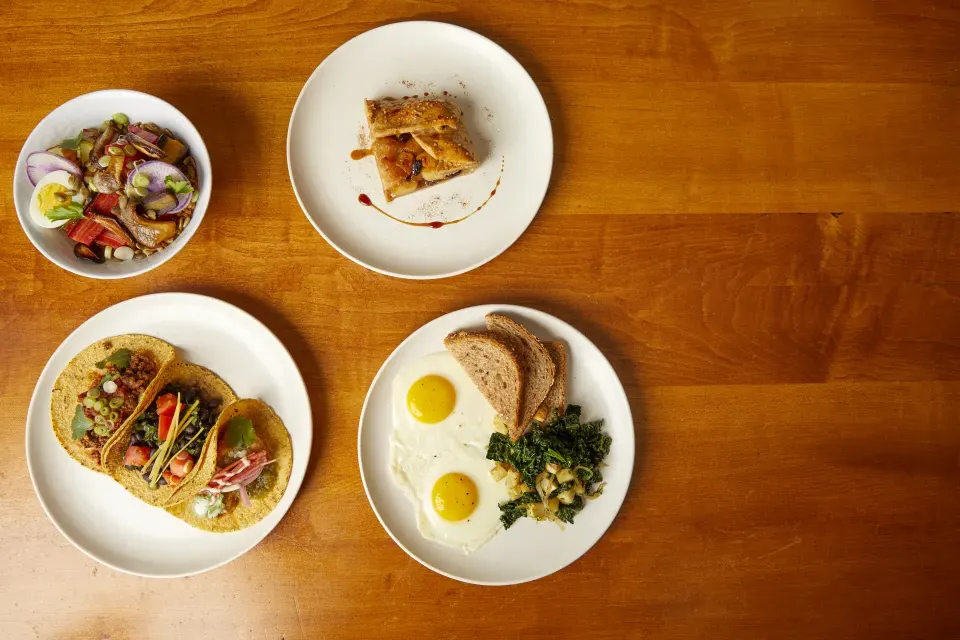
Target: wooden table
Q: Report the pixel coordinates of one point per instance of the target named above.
(751, 213)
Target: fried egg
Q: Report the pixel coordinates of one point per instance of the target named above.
(438, 449)
(55, 189)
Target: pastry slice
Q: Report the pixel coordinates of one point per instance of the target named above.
(389, 117)
(417, 143)
(405, 164)
(449, 155)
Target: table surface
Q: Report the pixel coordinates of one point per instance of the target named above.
(751, 213)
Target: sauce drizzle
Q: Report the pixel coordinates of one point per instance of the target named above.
(360, 154)
(365, 200)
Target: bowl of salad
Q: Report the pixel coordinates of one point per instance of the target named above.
(112, 184)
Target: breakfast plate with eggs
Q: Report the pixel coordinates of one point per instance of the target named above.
(496, 445)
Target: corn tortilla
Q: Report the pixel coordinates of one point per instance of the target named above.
(78, 377)
(270, 429)
(210, 386)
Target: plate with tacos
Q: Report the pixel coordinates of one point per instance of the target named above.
(168, 435)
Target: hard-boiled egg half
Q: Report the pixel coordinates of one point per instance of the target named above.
(54, 190)
(441, 428)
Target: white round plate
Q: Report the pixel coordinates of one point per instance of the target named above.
(89, 110)
(528, 550)
(504, 114)
(95, 513)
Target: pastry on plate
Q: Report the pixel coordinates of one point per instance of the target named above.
(417, 144)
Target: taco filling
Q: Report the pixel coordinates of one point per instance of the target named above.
(121, 378)
(245, 470)
(168, 437)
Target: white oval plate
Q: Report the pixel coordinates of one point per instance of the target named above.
(528, 550)
(89, 110)
(95, 513)
(505, 116)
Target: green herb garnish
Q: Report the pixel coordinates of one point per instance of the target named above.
(177, 186)
(69, 211)
(565, 440)
(81, 423)
(119, 358)
(240, 432)
(72, 143)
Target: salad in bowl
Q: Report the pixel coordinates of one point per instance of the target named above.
(119, 191)
(112, 184)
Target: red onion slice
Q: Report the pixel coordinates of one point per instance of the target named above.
(157, 172)
(40, 163)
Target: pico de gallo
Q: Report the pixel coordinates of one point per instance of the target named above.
(120, 191)
(167, 438)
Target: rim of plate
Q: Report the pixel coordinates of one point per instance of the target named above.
(294, 484)
(163, 256)
(509, 308)
(466, 33)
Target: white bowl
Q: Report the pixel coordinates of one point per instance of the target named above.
(89, 110)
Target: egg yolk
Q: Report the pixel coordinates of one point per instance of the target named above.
(454, 497)
(47, 196)
(431, 399)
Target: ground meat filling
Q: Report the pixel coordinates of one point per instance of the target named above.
(138, 375)
(131, 383)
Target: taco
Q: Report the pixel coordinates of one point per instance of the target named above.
(101, 389)
(243, 474)
(161, 446)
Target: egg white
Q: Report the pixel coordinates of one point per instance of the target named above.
(62, 178)
(421, 453)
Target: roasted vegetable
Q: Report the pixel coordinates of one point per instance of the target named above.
(557, 463)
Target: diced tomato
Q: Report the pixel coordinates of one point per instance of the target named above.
(163, 426)
(85, 231)
(181, 464)
(137, 456)
(111, 239)
(166, 404)
(171, 478)
(105, 202)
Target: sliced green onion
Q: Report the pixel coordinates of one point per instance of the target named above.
(116, 402)
(94, 393)
(98, 404)
(140, 180)
(101, 430)
(142, 192)
(121, 119)
(104, 161)
(105, 411)
(112, 416)
(88, 402)
(194, 197)
(115, 151)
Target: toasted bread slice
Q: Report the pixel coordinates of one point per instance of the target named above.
(557, 396)
(494, 368)
(536, 365)
(392, 117)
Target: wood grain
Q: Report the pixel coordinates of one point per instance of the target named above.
(792, 352)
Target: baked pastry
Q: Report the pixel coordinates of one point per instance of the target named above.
(417, 143)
